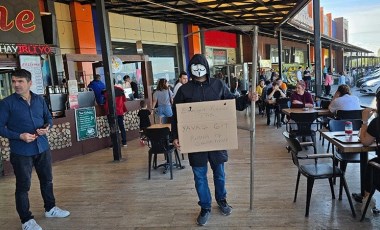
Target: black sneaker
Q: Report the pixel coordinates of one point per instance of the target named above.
(224, 207)
(203, 217)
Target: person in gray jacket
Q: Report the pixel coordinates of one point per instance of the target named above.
(204, 88)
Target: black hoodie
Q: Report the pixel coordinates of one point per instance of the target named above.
(210, 90)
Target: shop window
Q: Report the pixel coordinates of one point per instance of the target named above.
(163, 67)
(5, 84)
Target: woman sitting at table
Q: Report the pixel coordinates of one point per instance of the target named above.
(343, 100)
(368, 134)
(300, 98)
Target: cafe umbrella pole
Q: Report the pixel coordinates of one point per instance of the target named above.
(253, 113)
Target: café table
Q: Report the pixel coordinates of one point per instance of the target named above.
(158, 126)
(320, 111)
(351, 146)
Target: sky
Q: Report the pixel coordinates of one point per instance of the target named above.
(363, 20)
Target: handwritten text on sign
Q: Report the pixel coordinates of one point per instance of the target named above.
(207, 126)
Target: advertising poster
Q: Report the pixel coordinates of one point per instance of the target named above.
(33, 65)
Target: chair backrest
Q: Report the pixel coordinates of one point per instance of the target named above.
(338, 125)
(304, 122)
(283, 102)
(159, 139)
(325, 104)
(294, 146)
(349, 114)
(375, 177)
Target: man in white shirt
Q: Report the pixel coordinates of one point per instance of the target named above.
(182, 79)
(343, 100)
(299, 74)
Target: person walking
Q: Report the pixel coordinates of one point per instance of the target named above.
(135, 89)
(163, 97)
(328, 83)
(182, 79)
(205, 88)
(25, 120)
(120, 108)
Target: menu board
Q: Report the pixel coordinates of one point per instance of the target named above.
(33, 65)
(207, 126)
(85, 119)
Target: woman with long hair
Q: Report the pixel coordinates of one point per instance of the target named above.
(370, 133)
(163, 97)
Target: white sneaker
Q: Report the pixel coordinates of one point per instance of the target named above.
(31, 225)
(125, 146)
(372, 203)
(57, 212)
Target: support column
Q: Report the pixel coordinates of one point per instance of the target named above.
(279, 45)
(308, 51)
(83, 33)
(105, 41)
(330, 58)
(203, 44)
(194, 40)
(317, 47)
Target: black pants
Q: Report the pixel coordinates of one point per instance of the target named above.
(368, 177)
(22, 167)
(327, 89)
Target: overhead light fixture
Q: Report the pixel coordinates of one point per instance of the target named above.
(119, 48)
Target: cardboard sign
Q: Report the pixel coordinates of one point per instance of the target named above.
(207, 126)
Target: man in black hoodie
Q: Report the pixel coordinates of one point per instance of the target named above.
(204, 88)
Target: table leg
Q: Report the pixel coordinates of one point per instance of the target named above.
(363, 169)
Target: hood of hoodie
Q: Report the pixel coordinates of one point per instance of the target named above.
(198, 66)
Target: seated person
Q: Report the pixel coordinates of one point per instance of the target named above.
(343, 100)
(259, 91)
(272, 94)
(300, 98)
(368, 134)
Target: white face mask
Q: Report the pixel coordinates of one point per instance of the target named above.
(198, 70)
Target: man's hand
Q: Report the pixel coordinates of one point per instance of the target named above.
(27, 137)
(297, 102)
(253, 96)
(176, 144)
(42, 131)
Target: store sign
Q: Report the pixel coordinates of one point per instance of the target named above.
(33, 65)
(21, 22)
(220, 56)
(25, 49)
(85, 120)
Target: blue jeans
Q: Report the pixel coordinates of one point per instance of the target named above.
(201, 184)
(120, 122)
(22, 167)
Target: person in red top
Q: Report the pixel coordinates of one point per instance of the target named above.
(120, 100)
(301, 98)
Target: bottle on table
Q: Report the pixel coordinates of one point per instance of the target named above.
(348, 129)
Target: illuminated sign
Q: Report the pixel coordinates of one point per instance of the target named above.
(21, 22)
(25, 49)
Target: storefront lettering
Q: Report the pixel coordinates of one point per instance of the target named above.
(8, 49)
(24, 21)
(33, 49)
(25, 49)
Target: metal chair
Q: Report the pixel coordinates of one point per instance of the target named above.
(159, 143)
(344, 159)
(300, 125)
(348, 114)
(375, 184)
(314, 171)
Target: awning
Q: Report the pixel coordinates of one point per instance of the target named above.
(267, 14)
